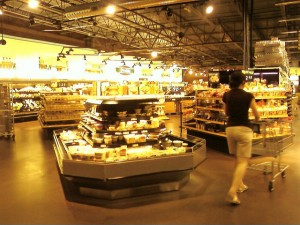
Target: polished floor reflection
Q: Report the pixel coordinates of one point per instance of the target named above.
(31, 191)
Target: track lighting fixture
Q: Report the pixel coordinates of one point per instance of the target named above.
(122, 56)
(151, 62)
(84, 57)
(92, 20)
(123, 62)
(149, 66)
(133, 65)
(57, 58)
(140, 64)
(58, 25)
(31, 20)
(69, 51)
(169, 12)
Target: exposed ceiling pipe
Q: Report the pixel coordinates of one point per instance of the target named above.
(289, 20)
(287, 3)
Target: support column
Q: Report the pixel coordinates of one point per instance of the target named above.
(246, 57)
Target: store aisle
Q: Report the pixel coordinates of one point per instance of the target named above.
(31, 192)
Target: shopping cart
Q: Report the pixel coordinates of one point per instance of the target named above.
(271, 139)
(7, 124)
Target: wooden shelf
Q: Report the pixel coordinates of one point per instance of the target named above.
(270, 97)
(211, 121)
(204, 131)
(209, 108)
(209, 98)
(45, 125)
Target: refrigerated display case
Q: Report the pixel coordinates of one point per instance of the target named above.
(118, 151)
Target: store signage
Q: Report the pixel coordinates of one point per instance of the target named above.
(147, 72)
(125, 70)
(295, 71)
(165, 73)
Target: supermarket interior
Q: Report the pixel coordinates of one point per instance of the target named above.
(117, 117)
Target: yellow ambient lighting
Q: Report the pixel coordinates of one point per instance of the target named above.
(111, 9)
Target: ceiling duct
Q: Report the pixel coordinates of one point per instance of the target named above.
(99, 8)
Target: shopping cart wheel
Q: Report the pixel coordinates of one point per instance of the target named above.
(283, 174)
(271, 186)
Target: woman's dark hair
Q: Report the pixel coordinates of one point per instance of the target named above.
(236, 79)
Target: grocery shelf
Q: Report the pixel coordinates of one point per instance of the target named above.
(204, 131)
(210, 121)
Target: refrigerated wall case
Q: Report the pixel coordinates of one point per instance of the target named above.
(6, 112)
(118, 152)
(27, 94)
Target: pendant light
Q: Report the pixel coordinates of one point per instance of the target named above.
(2, 41)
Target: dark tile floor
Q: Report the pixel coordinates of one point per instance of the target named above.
(31, 192)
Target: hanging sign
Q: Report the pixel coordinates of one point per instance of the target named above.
(165, 73)
(147, 72)
(125, 70)
(295, 71)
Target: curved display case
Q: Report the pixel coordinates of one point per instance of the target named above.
(114, 154)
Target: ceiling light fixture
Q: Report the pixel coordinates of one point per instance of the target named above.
(209, 9)
(1, 11)
(154, 54)
(69, 51)
(33, 4)
(111, 9)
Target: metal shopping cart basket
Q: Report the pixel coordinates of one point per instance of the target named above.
(7, 124)
(272, 138)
